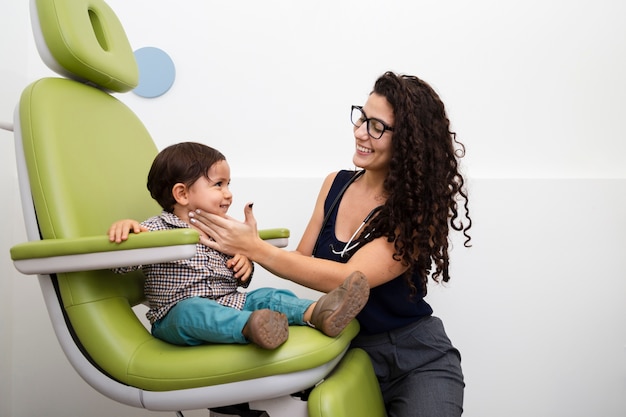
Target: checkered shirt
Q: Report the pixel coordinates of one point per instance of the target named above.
(203, 275)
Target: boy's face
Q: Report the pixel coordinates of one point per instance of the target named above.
(212, 195)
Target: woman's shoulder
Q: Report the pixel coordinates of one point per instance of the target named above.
(343, 176)
(328, 181)
(330, 177)
(336, 181)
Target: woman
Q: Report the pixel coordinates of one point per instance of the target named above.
(390, 220)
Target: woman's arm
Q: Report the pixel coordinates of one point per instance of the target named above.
(375, 259)
(309, 238)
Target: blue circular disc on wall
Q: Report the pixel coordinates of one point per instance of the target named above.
(156, 72)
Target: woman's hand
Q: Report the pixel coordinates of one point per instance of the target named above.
(229, 235)
(119, 231)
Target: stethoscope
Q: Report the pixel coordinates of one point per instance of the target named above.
(347, 248)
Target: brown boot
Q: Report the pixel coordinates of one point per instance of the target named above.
(266, 328)
(335, 310)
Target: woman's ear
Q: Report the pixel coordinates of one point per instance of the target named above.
(180, 193)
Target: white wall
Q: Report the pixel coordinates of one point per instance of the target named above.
(534, 89)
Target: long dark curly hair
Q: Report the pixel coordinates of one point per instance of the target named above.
(424, 186)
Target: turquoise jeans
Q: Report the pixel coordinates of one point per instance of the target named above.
(198, 320)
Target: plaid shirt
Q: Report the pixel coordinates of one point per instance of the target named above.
(203, 275)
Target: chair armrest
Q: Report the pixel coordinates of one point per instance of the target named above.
(277, 237)
(97, 252)
(51, 256)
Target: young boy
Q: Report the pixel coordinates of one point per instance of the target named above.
(196, 300)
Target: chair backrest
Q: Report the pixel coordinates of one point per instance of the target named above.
(83, 158)
(86, 155)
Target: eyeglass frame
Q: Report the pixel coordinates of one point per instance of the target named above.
(366, 120)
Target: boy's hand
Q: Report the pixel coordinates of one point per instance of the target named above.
(119, 231)
(241, 266)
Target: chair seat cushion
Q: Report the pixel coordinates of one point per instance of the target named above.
(160, 366)
(121, 346)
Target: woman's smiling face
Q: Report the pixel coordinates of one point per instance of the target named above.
(374, 154)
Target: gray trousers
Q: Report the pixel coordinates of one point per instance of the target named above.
(418, 369)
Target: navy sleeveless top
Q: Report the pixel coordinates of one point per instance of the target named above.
(390, 305)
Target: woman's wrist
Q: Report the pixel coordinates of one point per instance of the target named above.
(261, 251)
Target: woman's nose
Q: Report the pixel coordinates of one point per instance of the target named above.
(361, 131)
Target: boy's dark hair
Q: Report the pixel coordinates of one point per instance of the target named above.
(183, 162)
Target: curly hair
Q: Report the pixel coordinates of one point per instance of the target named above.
(424, 184)
(183, 162)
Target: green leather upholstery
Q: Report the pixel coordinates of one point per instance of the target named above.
(87, 42)
(87, 156)
(351, 390)
(42, 249)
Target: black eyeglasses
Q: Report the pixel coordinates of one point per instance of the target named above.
(375, 127)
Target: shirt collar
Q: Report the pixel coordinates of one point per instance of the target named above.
(173, 220)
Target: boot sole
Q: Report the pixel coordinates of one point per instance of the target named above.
(267, 329)
(358, 290)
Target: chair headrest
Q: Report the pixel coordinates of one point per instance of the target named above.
(84, 40)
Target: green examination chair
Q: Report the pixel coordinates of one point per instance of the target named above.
(83, 158)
